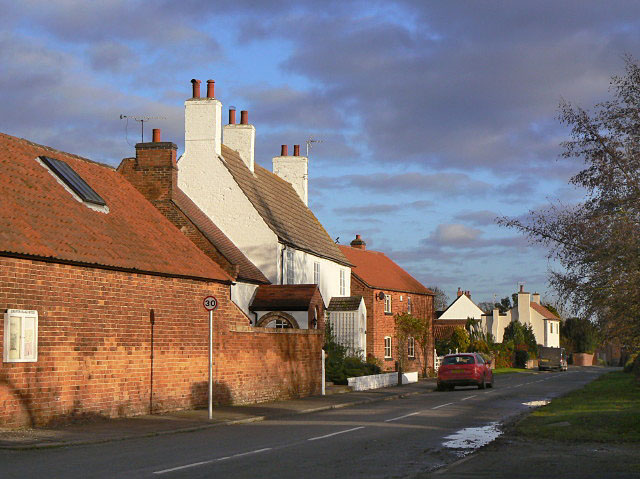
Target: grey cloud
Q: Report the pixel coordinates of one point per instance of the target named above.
(478, 218)
(380, 208)
(113, 57)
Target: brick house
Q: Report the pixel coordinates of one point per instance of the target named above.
(387, 290)
(102, 302)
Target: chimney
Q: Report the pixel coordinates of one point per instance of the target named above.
(293, 169)
(536, 298)
(460, 292)
(153, 171)
(468, 293)
(358, 243)
(202, 123)
(241, 138)
(524, 306)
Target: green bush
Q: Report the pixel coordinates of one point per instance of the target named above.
(521, 334)
(628, 366)
(522, 356)
(339, 366)
(580, 335)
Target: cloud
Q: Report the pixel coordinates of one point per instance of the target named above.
(376, 209)
(478, 218)
(453, 235)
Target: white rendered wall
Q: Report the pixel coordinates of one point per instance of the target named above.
(538, 324)
(242, 294)
(293, 169)
(329, 273)
(462, 308)
(241, 138)
(206, 180)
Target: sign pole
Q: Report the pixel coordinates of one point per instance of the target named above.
(210, 364)
(210, 303)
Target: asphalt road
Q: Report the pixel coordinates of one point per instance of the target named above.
(391, 439)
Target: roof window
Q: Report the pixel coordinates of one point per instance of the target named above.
(73, 181)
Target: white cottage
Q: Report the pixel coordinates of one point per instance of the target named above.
(264, 214)
(545, 324)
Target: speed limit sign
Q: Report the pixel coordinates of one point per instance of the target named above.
(210, 303)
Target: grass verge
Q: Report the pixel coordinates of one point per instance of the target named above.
(605, 410)
(511, 370)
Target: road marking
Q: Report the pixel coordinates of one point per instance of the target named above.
(335, 433)
(517, 385)
(442, 405)
(164, 471)
(187, 466)
(469, 397)
(401, 417)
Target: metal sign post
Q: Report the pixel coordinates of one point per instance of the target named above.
(210, 303)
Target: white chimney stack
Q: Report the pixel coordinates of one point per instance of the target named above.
(202, 122)
(241, 138)
(293, 169)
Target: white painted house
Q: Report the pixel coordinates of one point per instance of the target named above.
(462, 308)
(264, 214)
(545, 324)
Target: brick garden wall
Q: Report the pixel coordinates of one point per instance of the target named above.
(381, 324)
(94, 346)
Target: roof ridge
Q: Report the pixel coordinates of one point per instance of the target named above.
(54, 150)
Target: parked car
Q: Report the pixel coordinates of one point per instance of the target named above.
(552, 358)
(464, 369)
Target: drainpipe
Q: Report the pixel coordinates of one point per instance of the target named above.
(282, 264)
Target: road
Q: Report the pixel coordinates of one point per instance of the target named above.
(399, 438)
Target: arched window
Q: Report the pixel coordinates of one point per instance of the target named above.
(278, 320)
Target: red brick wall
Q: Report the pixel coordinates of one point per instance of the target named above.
(94, 346)
(381, 324)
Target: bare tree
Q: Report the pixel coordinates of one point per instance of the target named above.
(597, 242)
(441, 300)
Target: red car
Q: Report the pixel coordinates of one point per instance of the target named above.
(464, 369)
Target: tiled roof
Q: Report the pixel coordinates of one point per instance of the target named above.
(283, 297)
(543, 311)
(246, 269)
(346, 303)
(282, 209)
(378, 271)
(39, 217)
(443, 328)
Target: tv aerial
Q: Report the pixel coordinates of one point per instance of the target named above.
(310, 143)
(141, 119)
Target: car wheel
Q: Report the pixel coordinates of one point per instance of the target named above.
(440, 387)
(483, 383)
(490, 385)
(451, 387)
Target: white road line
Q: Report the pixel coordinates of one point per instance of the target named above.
(164, 471)
(469, 397)
(187, 466)
(401, 417)
(334, 433)
(442, 405)
(517, 385)
(244, 454)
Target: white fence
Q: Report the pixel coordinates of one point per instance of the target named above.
(349, 330)
(384, 380)
(436, 360)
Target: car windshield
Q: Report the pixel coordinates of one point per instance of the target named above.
(466, 359)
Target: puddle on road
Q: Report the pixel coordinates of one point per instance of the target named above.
(471, 438)
(541, 403)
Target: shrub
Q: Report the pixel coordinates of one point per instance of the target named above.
(522, 356)
(339, 366)
(521, 334)
(580, 335)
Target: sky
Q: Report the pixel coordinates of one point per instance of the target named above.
(434, 118)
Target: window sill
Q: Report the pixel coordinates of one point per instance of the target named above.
(388, 359)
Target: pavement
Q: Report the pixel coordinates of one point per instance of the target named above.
(107, 429)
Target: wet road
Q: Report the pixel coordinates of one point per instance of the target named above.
(399, 438)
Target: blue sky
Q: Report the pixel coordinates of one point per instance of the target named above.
(435, 117)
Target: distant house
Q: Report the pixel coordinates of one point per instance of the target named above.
(101, 296)
(387, 289)
(529, 311)
(456, 315)
(264, 214)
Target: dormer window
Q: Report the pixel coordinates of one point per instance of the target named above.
(74, 183)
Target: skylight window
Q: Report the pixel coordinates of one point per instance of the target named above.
(73, 180)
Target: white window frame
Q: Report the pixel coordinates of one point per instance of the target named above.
(387, 348)
(411, 347)
(343, 286)
(409, 304)
(21, 336)
(316, 272)
(387, 304)
(290, 267)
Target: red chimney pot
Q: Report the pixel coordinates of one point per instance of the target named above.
(156, 135)
(284, 150)
(296, 150)
(232, 116)
(210, 88)
(244, 117)
(195, 84)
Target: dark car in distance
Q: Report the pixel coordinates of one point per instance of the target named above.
(464, 369)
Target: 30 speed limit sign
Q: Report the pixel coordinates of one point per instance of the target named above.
(210, 303)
